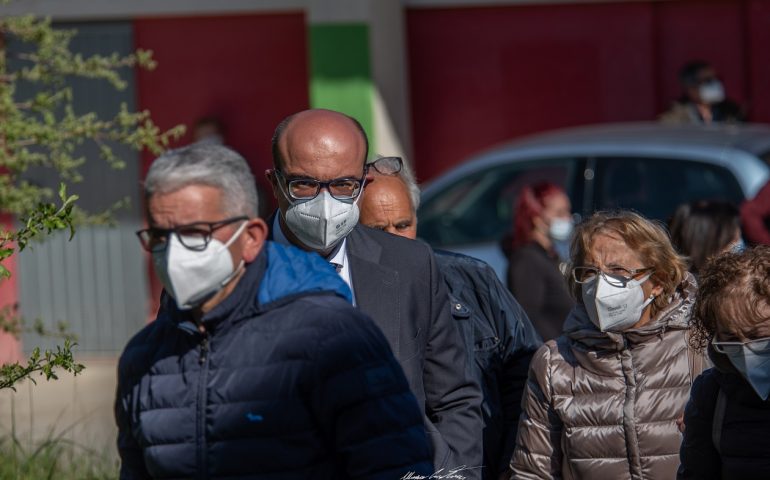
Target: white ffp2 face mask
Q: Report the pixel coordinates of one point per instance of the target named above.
(613, 307)
(191, 277)
(712, 92)
(320, 223)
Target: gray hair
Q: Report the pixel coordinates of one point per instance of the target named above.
(407, 176)
(206, 164)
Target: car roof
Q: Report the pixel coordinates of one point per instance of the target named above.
(753, 138)
(734, 146)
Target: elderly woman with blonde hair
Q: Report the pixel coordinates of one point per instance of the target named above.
(604, 400)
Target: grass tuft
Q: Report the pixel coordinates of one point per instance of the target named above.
(53, 458)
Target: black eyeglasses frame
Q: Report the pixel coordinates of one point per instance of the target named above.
(148, 237)
(287, 181)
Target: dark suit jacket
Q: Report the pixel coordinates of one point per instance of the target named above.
(396, 282)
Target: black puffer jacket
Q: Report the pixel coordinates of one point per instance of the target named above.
(496, 329)
(744, 443)
(289, 382)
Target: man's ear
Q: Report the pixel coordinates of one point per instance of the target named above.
(271, 177)
(254, 238)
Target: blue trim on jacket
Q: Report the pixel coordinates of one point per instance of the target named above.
(289, 267)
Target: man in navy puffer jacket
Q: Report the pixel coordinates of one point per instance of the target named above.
(257, 365)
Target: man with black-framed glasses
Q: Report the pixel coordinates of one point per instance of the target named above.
(257, 365)
(317, 177)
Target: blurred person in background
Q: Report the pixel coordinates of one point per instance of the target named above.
(703, 229)
(542, 230)
(497, 334)
(755, 217)
(208, 130)
(604, 400)
(728, 415)
(703, 99)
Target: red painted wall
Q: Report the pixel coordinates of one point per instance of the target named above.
(758, 57)
(250, 71)
(480, 76)
(10, 347)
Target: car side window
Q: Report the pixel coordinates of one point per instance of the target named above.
(479, 207)
(656, 186)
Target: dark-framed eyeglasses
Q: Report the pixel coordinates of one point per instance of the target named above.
(304, 188)
(619, 276)
(387, 165)
(759, 345)
(194, 236)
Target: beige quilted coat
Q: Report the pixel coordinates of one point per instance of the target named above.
(604, 405)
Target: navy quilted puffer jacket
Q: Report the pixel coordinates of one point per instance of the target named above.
(288, 382)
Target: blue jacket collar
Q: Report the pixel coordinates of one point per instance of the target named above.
(291, 271)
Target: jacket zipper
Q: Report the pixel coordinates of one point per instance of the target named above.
(201, 405)
(629, 404)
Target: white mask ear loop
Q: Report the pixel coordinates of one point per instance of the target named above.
(236, 234)
(652, 296)
(242, 262)
(360, 193)
(649, 300)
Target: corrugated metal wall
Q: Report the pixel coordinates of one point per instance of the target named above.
(96, 282)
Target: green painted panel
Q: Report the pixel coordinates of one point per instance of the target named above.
(340, 73)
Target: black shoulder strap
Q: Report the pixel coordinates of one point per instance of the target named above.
(719, 417)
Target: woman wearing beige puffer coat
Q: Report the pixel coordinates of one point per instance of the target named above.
(604, 400)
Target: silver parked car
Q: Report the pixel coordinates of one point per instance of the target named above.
(647, 167)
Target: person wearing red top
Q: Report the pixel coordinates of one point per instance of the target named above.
(755, 217)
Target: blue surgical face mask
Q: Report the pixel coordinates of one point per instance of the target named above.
(561, 229)
(752, 360)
